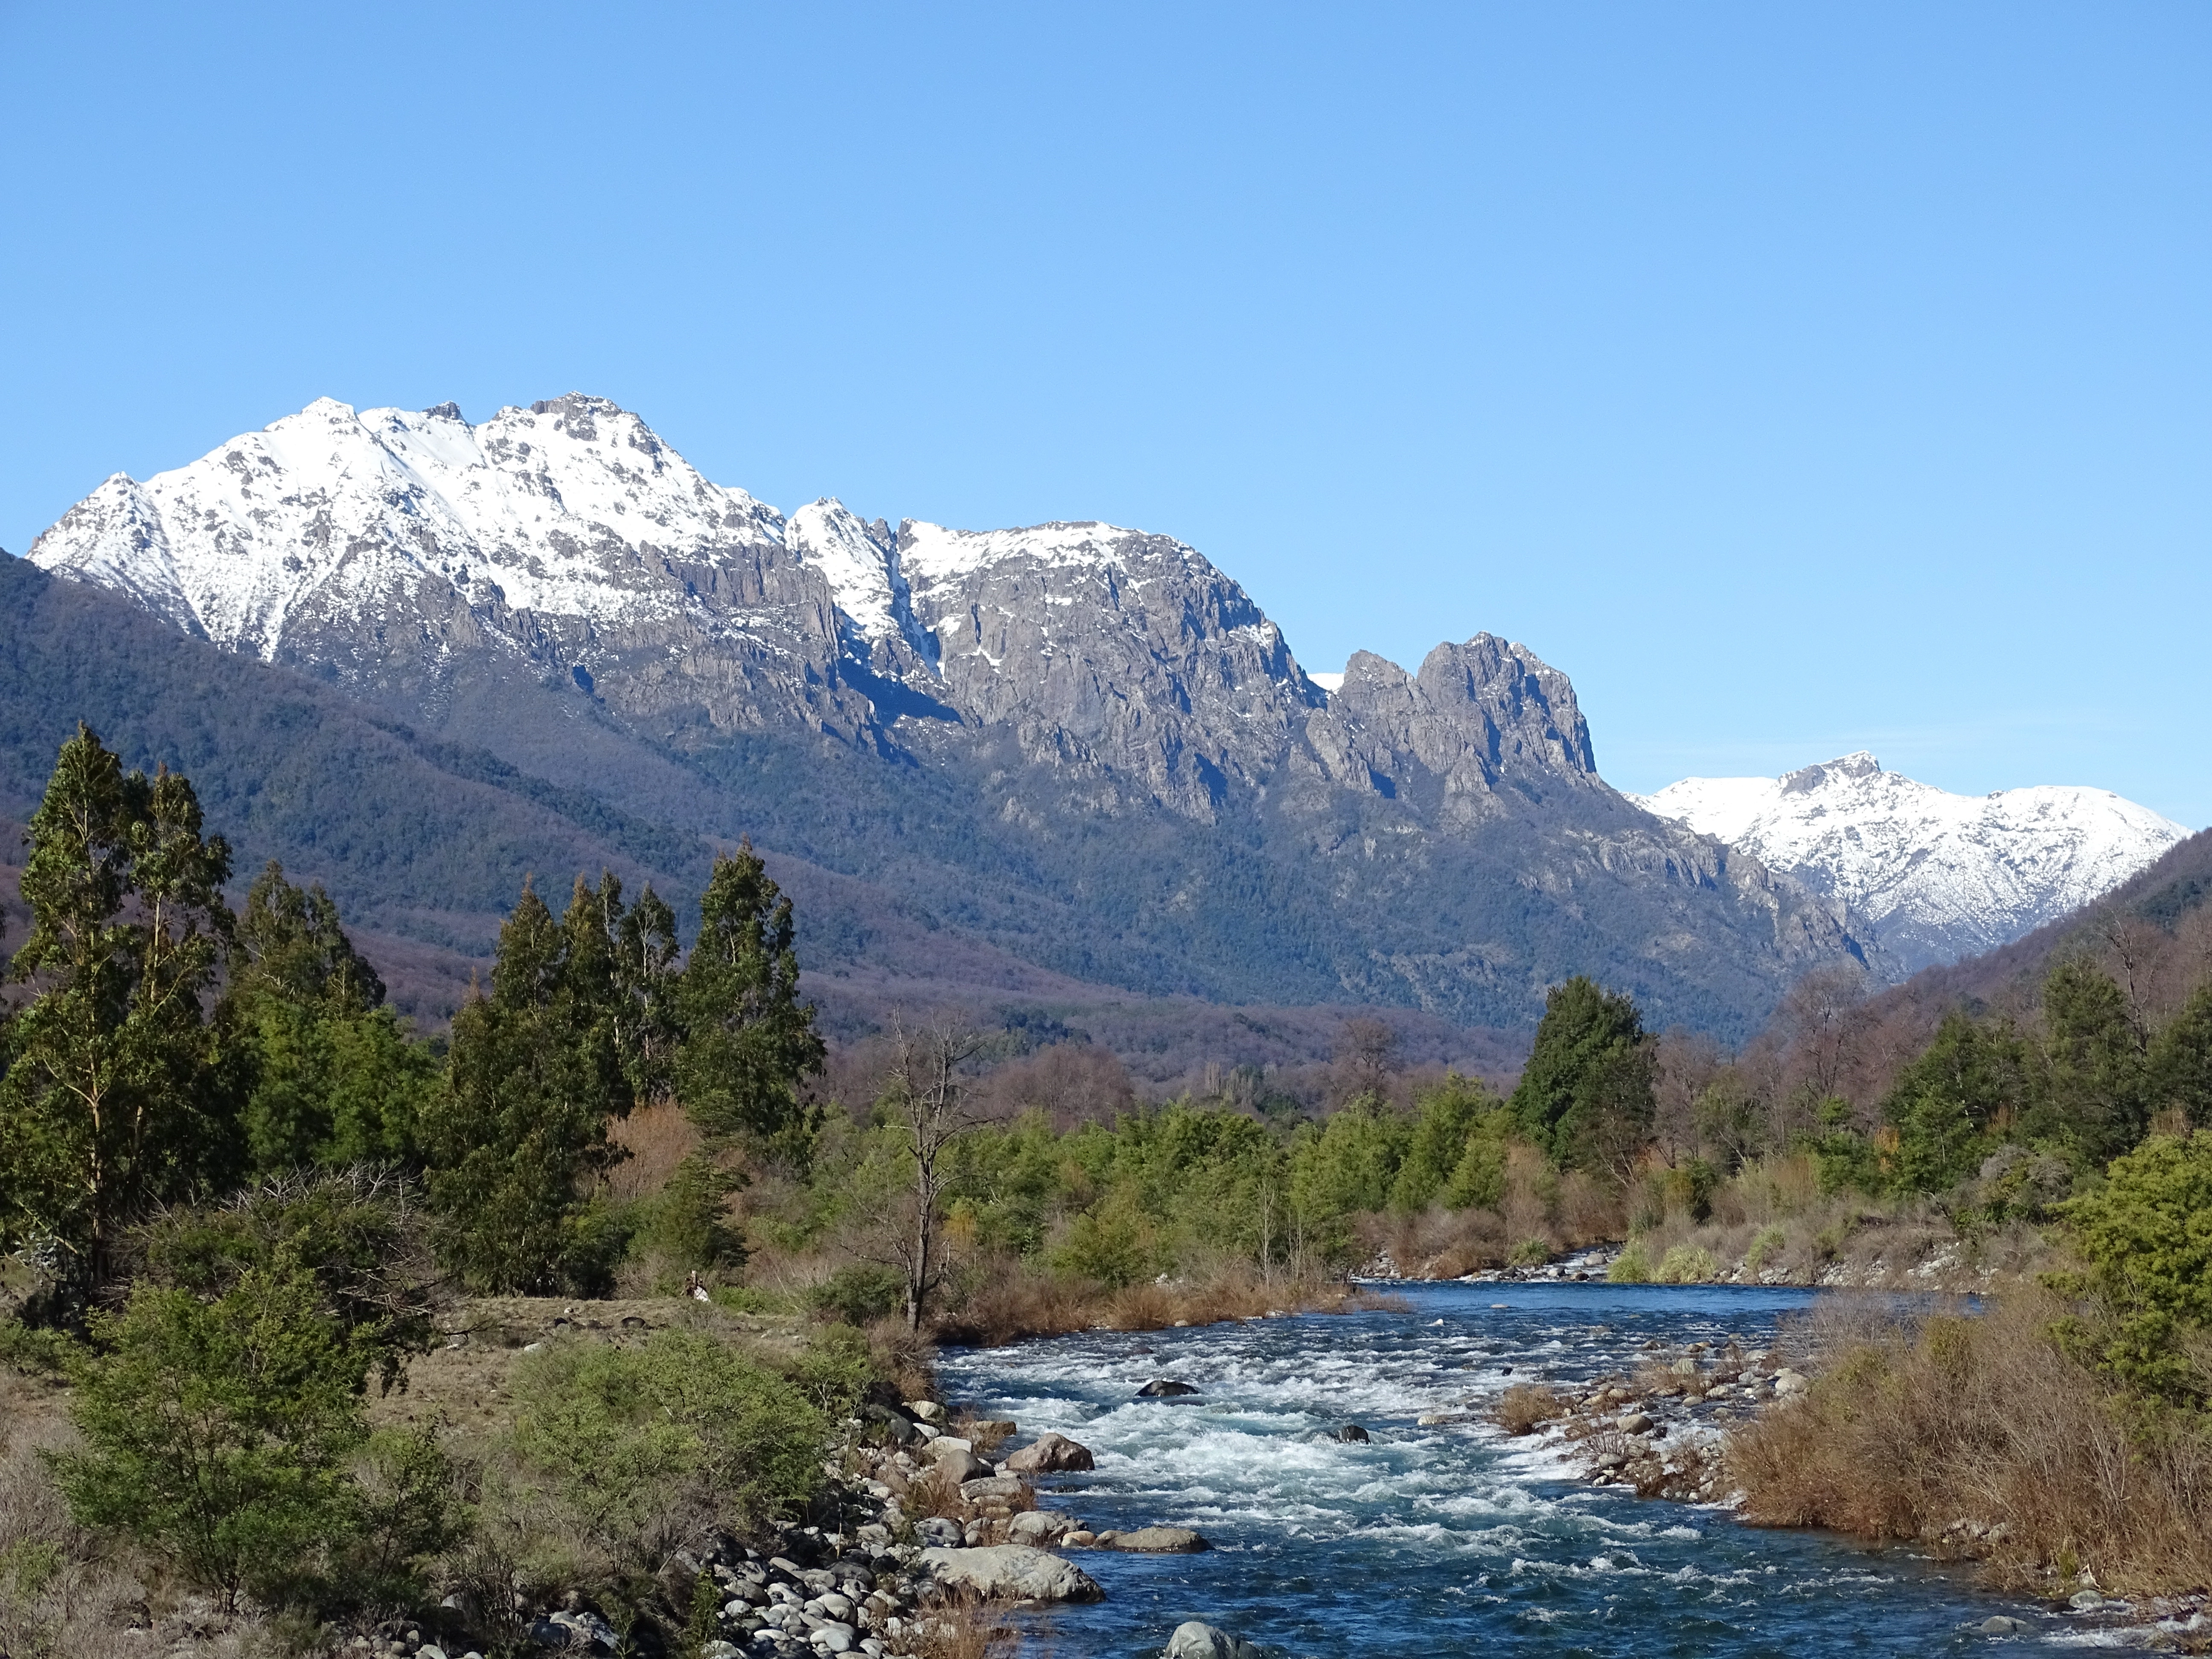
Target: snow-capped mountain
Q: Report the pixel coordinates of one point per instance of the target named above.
(1932, 876)
(1084, 722)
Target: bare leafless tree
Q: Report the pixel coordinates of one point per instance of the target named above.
(926, 1094)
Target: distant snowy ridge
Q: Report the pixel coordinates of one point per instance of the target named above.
(1931, 875)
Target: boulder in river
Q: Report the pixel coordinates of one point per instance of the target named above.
(1012, 1572)
(957, 1457)
(1194, 1640)
(1164, 1387)
(1352, 1432)
(1154, 1540)
(990, 1487)
(1051, 1453)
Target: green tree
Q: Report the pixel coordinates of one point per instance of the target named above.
(1585, 1095)
(746, 1038)
(1448, 1116)
(2097, 1089)
(119, 1093)
(2146, 1238)
(2180, 1062)
(518, 1139)
(1968, 1089)
(335, 1079)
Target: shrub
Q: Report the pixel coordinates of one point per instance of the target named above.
(2146, 1235)
(1904, 1432)
(1763, 1246)
(1687, 1264)
(1112, 1243)
(835, 1371)
(859, 1293)
(1630, 1266)
(646, 1446)
(1531, 1253)
(1525, 1407)
(217, 1434)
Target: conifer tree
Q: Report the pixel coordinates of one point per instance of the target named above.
(119, 1095)
(519, 1136)
(747, 1038)
(1586, 1094)
(336, 1080)
(2181, 1061)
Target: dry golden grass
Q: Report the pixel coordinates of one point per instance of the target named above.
(1526, 1407)
(1984, 1420)
(961, 1630)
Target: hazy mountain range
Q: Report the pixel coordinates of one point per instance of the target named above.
(1079, 750)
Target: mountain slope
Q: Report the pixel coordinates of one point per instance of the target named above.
(1084, 745)
(1931, 877)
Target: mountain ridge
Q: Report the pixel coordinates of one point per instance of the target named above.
(1931, 876)
(1082, 743)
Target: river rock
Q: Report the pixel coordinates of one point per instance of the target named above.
(1038, 1527)
(986, 1488)
(958, 1457)
(2000, 1624)
(1010, 1572)
(1194, 1640)
(937, 1530)
(1789, 1382)
(1050, 1454)
(927, 1410)
(1633, 1422)
(1164, 1387)
(1154, 1540)
(1351, 1433)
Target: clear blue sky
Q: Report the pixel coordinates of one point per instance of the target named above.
(1798, 378)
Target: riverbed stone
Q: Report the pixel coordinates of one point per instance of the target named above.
(960, 1459)
(1352, 1433)
(1194, 1640)
(2002, 1625)
(1155, 1541)
(992, 1488)
(1010, 1572)
(1050, 1454)
(1164, 1387)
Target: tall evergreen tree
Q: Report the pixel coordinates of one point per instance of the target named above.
(519, 1136)
(336, 1080)
(2097, 1087)
(747, 1038)
(119, 1095)
(2181, 1061)
(1587, 1090)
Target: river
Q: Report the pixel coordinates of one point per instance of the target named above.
(1439, 1540)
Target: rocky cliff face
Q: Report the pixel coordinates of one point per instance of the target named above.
(559, 586)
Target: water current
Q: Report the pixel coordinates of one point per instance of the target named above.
(1438, 1540)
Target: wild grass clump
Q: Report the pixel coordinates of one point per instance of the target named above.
(1526, 1407)
(1909, 1430)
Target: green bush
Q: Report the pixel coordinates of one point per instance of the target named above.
(2146, 1237)
(1630, 1266)
(1763, 1247)
(858, 1292)
(834, 1371)
(218, 1434)
(644, 1447)
(1112, 1243)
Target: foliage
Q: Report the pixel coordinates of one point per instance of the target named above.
(218, 1432)
(645, 1446)
(117, 1093)
(521, 1129)
(747, 1038)
(1686, 1264)
(1585, 1096)
(2146, 1237)
(356, 1234)
(1630, 1266)
(859, 1292)
(1114, 1243)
